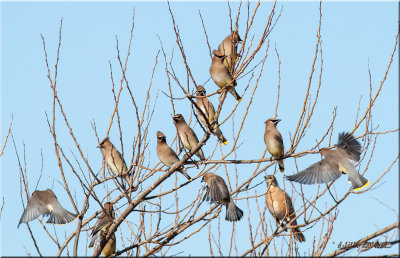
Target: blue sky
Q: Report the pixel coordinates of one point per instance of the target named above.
(355, 36)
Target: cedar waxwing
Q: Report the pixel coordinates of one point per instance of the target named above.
(217, 191)
(208, 109)
(114, 159)
(335, 163)
(228, 47)
(273, 140)
(281, 207)
(167, 155)
(103, 223)
(109, 248)
(220, 74)
(46, 203)
(187, 135)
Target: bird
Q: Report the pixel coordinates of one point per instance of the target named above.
(100, 229)
(103, 223)
(114, 159)
(208, 109)
(274, 142)
(46, 203)
(280, 206)
(228, 47)
(167, 155)
(217, 191)
(109, 248)
(187, 135)
(335, 163)
(220, 74)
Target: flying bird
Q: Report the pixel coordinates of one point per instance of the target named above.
(335, 164)
(46, 203)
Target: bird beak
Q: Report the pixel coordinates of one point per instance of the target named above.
(98, 146)
(278, 120)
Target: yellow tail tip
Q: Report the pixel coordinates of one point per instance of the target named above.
(358, 189)
(239, 99)
(282, 170)
(224, 143)
(191, 180)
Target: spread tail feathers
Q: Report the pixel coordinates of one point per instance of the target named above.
(233, 213)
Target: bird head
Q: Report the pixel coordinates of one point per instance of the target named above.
(236, 38)
(201, 91)
(271, 180)
(324, 151)
(218, 54)
(178, 118)
(105, 142)
(272, 121)
(161, 137)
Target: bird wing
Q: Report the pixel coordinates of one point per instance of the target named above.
(100, 224)
(351, 147)
(320, 172)
(217, 190)
(34, 209)
(58, 214)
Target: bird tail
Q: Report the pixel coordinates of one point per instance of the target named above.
(358, 181)
(232, 90)
(61, 217)
(233, 213)
(200, 154)
(298, 235)
(281, 166)
(217, 132)
(94, 239)
(183, 171)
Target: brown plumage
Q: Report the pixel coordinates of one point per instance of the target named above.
(274, 142)
(220, 74)
(208, 109)
(100, 229)
(114, 159)
(103, 223)
(187, 135)
(46, 203)
(167, 155)
(228, 47)
(109, 248)
(217, 191)
(281, 207)
(334, 164)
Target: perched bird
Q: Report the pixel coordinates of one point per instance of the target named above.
(167, 155)
(217, 191)
(103, 223)
(100, 229)
(221, 76)
(281, 207)
(114, 159)
(46, 203)
(228, 47)
(208, 109)
(187, 135)
(335, 163)
(109, 248)
(273, 140)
